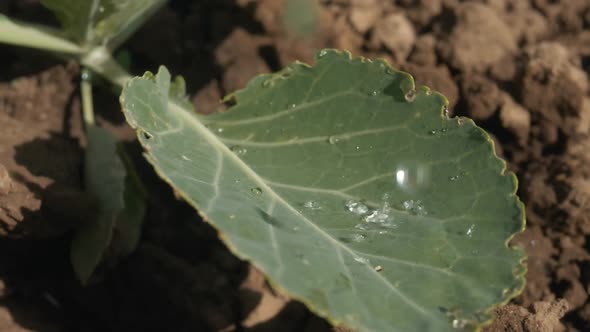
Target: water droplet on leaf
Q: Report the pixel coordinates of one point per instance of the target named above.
(412, 176)
(333, 139)
(256, 191)
(356, 207)
(414, 207)
(470, 230)
(313, 205)
(380, 215)
(378, 268)
(357, 238)
(361, 260)
(322, 53)
(240, 151)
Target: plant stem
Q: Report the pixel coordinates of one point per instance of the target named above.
(35, 36)
(87, 104)
(102, 62)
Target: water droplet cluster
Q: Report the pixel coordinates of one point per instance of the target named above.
(312, 205)
(414, 207)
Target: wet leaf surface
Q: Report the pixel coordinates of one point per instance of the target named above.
(351, 190)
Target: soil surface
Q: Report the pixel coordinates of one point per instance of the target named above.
(519, 68)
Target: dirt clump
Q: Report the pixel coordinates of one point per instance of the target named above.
(541, 317)
(478, 39)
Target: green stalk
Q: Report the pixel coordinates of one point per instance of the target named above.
(35, 36)
(87, 103)
(102, 62)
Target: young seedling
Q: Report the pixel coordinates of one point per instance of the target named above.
(92, 31)
(350, 189)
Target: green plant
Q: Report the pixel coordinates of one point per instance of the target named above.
(350, 189)
(92, 31)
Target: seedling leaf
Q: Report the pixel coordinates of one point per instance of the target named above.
(102, 22)
(353, 193)
(121, 205)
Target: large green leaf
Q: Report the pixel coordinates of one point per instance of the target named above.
(351, 191)
(106, 22)
(121, 205)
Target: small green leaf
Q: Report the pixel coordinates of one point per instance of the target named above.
(102, 22)
(353, 192)
(121, 205)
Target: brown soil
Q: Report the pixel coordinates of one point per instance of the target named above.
(519, 68)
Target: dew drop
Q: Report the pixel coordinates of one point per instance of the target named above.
(361, 227)
(410, 96)
(470, 230)
(357, 238)
(361, 260)
(256, 191)
(292, 105)
(446, 110)
(414, 207)
(333, 139)
(185, 158)
(390, 71)
(312, 205)
(412, 176)
(374, 93)
(356, 207)
(380, 215)
(219, 130)
(322, 53)
(378, 268)
(101, 9)
(240, 151)
(268, 83)
(85, 75)
(454, 178)
(433, 132)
